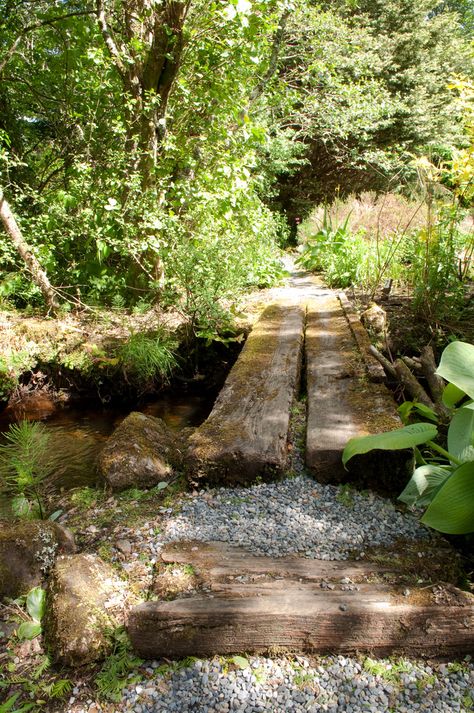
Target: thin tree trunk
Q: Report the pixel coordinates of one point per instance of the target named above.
(38, 275)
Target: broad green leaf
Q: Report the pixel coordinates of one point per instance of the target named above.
(408, 407)
(461, 431)
(29, 630)
(457, 366)
(451, 395)
(161, 485)
(424, 484)
(35, 603)
(241, 662)
(401, 438)
(452, 509)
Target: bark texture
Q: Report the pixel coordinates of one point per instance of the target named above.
(258, 604)
(32, 264)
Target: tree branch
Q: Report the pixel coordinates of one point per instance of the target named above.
(109, 40)
(36, 26)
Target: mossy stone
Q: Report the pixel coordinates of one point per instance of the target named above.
(85, 603)
(28, 550)
(140, 453)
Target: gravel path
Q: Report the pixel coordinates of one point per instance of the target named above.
(294, 516)
(332, 684)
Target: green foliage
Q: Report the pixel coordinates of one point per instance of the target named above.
(179, 197)
(406, 437)
(12, 365)
(116, 672)
(10, 707)
(35, 607)
(147, 357)
(85, 498)
(445, 487)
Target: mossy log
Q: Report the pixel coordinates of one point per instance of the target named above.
(259, 604)
(246, 434)
(343, 404)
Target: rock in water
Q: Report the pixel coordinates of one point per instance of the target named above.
(27, 552)
(140, 453)
(85, 602)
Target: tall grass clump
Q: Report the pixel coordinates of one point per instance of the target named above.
(147, 357)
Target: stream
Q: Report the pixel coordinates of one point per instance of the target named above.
(81, 432)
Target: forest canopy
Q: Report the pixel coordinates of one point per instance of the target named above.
(160, 150)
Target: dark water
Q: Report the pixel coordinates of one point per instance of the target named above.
(78, 434)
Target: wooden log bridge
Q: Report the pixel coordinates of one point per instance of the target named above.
(213, 598)
(245, 436)
(242, 603)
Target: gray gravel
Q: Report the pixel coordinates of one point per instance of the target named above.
(294, 516)
(332, 684)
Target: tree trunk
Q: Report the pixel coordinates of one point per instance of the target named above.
(148, 79)
(38, 275)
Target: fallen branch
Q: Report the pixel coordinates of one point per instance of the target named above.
(411, 384)
(387, 365)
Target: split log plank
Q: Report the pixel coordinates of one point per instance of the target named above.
(285, 605)
(218, 561)
(246, 433)
(343, 404)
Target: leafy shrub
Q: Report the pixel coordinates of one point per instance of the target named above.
(432, 258)
(443, 481)
(347, 258)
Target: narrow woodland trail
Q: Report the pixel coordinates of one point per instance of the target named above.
(265, 564)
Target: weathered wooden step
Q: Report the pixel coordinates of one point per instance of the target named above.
(246, 433)
(344, 403)
(255, 604)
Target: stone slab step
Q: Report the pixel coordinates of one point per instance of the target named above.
(245, 435)
(244, 603)
(344, 403)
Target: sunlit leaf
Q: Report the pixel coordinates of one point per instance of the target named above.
(29, 630)
(406, 437)
(452, 508)
(457, 366)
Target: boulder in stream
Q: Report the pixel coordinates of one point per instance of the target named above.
(141, 453)
(28, 550)
(85, 604)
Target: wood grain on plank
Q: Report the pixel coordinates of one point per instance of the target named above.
(255, 604)
(246, 433)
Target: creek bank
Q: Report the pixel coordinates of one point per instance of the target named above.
(104, 357)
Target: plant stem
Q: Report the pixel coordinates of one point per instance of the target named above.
(444, 452)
